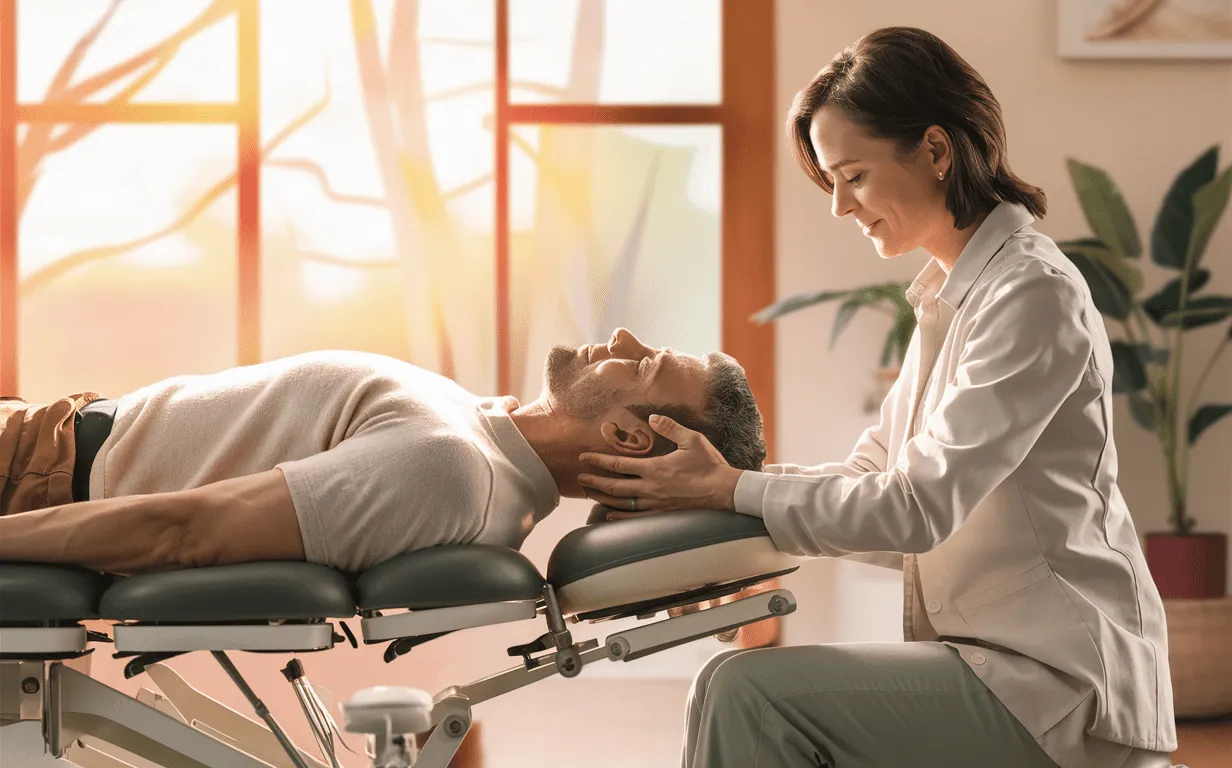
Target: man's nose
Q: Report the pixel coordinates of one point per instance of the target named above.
(624, 341)
(623, 336)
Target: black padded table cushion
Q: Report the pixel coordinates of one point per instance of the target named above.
(240, 592)
(595, 548)
(452, 574)
(46, 592)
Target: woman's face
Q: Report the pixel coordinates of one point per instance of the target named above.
(897, 200)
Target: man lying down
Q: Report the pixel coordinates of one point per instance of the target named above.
(349, 458)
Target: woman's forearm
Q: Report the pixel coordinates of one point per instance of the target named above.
(125, 535)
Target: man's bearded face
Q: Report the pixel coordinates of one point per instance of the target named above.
(573, 387)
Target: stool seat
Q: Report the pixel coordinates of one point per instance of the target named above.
(449, 575)
(46, 592)
(264, 591)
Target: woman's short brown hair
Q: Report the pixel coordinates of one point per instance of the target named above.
(897, 82)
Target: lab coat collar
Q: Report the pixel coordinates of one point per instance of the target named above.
(993, 232)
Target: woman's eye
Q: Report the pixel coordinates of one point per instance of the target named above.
(855, 179)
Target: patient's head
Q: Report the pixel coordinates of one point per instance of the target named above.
(601, 397)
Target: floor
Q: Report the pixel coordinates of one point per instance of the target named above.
(1205, 744)
(623, 724)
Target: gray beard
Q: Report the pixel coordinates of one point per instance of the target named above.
(572, 392)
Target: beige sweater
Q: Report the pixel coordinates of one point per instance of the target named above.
(381, 457)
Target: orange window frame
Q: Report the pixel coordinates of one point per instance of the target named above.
(746, 115)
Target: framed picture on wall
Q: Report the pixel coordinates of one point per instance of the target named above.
(1145, 29)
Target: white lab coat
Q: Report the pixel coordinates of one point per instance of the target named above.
(993, 469)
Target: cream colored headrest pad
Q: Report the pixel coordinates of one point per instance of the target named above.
(673, 573)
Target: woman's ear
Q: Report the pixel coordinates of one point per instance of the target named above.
(940, 150)
(631, 438)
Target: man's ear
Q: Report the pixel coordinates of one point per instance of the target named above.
(628, 437)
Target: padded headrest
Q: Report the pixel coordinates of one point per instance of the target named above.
(644, 558)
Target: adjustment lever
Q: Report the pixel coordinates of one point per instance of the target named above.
(542, 643)
(349, 636)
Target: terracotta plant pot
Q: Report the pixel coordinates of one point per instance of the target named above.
(1193, 566)
(1198, 633)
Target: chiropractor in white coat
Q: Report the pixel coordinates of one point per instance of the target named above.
(1036, 636)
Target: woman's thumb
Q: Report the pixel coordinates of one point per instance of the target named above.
(668, 428)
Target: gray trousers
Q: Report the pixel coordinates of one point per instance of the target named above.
(850, 704)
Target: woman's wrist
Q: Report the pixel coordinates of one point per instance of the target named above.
(725, 495)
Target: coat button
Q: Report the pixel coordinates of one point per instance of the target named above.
(978, 658)
(933, 606)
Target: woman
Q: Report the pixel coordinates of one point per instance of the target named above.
(1038, 634)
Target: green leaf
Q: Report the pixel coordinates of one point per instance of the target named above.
(1205, 417)
(1126, 273)
(1168, 299)
(1140, 408)
(904, 329)
(1160, 392)
(1174, 224)
(1109, 292)
(845, 313)
(1209, 203)
(1204, 310)
(871, 295)
(794, 303)
(887, 349)
(1128, 371)
(1105, 209)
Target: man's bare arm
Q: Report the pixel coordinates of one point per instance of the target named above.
(231, 521)
(130, 534)
(244, 519)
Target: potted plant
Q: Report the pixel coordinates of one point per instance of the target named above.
(887, 298)
(1147, 358)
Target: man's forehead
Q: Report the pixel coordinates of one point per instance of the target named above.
(691, 372)
(695, 362)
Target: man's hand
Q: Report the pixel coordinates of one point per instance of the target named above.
(694, 476)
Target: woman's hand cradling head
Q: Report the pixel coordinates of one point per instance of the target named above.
(694, 476)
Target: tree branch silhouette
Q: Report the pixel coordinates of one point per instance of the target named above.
(41, 278)
(314, 169)
(39, 142)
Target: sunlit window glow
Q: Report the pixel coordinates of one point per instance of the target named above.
(345, 256)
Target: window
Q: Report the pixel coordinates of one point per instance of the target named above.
(459, 183)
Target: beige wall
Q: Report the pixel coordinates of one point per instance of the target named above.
(1142, 121)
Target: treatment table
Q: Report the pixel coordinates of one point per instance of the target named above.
(627, 568)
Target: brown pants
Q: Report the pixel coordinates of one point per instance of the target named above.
(37, 451)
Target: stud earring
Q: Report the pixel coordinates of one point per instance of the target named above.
(941, 175)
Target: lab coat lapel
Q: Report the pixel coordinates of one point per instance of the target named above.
(936, 297)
